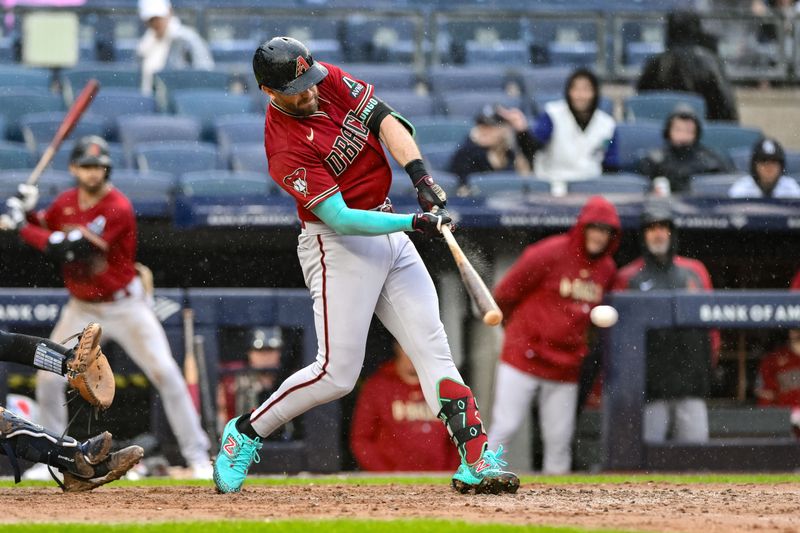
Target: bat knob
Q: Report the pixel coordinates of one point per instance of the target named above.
(493, 317)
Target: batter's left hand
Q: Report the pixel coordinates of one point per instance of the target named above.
(430, 194)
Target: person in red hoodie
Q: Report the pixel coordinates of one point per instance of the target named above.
(392, 423)
(546, 298)
(778, 381)
(795, 283)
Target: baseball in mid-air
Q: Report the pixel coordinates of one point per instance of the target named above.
(604, 316)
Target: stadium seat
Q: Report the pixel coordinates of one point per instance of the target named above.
(206, 105)
(793, 163)
(741, 158)
(716, 185)
(14, 103)
(723, 137)
(379, 40)
(150, 192)
(611, 184)
(236, 129)
(576, 54)
(51, 184)
(393, 77)
(440, 130)
(495, 183)
(469, 104)
(134, 129)
(446, 79)
(24, 77)
(175, 157)
(439, 155)
(544, 80)
(224, 183)
(61, 159)
(636, 53)
(39, 128)
(249, 157)
(634, 140)
(167, 81)
(14, 155)
(501, 52)
(233, 50)
(409, 104)
(658, 105)
(114, 102)
(113, 75)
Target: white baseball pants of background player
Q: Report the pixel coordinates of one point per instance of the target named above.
(557, 402)
(131, 322)
(350, 279)
(688, 418)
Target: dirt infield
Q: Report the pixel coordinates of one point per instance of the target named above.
(714, 508)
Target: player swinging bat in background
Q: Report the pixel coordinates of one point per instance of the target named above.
(547, 296)
(323, 135)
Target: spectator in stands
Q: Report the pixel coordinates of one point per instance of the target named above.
(679, 361)
(167, 43)
(489, 147)
(690, 64)
(683, 155)
(778, 382)
(767, 178)
(546, 297)
(393, 428)
(572, 139)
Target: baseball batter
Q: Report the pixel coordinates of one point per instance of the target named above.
(84, 465)
(90, 231)
(323, 136)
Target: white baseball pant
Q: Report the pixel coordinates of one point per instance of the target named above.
(557, 402)
(687, 416)
(131, 323)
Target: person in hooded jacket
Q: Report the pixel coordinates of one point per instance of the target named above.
(572, 139)
(767, 178)
(683, 155)
(546, 297)
(690, 63)
(679, 361)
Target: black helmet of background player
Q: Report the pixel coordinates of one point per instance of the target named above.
(658, 213)
(91, 151)
(285, 65)
(767, 149)
(264, 348)
(682, 112)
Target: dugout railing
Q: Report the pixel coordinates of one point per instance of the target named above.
(623, 447)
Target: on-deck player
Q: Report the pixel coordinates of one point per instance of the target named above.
(84, 465)
(90, 230)
(323, 138)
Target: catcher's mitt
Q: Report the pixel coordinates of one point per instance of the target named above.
(88, 371)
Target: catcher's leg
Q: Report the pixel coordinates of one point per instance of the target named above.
(22, 439)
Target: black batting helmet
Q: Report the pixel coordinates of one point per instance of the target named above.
(285, 65)
(767, 149)
(91, 151)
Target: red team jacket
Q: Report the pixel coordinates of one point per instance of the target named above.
(779, 379)
(314, 157)
(547, 294)
(795, 284)
(394, 429)
(112, 219)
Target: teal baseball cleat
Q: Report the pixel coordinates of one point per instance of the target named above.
(236, 453)
(486, 476)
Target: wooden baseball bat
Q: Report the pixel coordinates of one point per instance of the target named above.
(476, 288)
(67, 125)
(208, 415)
(190, 372)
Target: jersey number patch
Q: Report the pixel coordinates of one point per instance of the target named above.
(297, 181)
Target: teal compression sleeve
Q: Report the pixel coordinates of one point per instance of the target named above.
(345, 221)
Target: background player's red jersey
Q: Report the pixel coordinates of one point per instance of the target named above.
(99, 276)
(779, 379)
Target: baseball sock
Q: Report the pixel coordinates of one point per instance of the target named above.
(245, 428)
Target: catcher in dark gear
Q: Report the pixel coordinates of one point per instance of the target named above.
(84, 465)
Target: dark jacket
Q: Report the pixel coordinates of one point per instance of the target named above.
(689, 64)
(678, 164)
(470, 158)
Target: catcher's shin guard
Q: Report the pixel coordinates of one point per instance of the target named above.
(459, 411)
(21, 438)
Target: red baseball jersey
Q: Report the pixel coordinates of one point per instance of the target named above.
(112, 219)
(779, 379)
(314, 157)
(795, 283)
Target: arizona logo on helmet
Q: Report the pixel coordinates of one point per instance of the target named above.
(297, 181)
(302, 66)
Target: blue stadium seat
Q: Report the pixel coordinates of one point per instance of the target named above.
(438, 155)
(741, 158)
(637, 53)
(496, 53)
(544, 80)
(378, 40)
(723, 137)
(207, 105)
(634, 140)
(446, 79)
(52, 183)
(150, 192)
(611, 184)
(224, 183)
(16, 102)
(403, 188)
(237, 129)
(793, 163)
(109, 75)
(658, 105)
(61, 159)
(167, 81)
(393, 77)
(441, 129)
(114, 102)
(577, 54)
(134, 129)
(233, 50)
(24, 77)
(175, 157)
(716, 185)
(409, 104)
(469, 104)
(39, 128)
(250, 157)
(14, 156)
(511, 183)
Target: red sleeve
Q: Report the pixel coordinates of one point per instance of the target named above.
(36, 232)
(767, 389)
(364, 430)
(302, 174)
(795, 284)
(523, 277)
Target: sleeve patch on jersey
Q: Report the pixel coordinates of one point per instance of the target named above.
(355, 87)
(297, 181)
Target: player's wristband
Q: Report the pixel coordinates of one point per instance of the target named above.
(416, 171)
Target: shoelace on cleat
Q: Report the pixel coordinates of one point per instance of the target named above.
(494, 458)
(248, 454)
